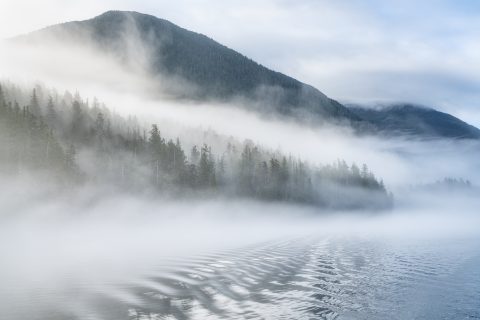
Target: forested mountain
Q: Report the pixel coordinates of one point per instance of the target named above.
(188, 65)
(76, 142)
(209, 70)
(416, 121)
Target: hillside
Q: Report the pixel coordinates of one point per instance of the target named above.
(188, 65)
(66, 140)
(414, 120)
(210, 70)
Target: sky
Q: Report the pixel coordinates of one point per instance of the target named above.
(367, 51)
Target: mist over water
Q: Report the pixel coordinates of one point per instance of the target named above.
(96, 253)
(99, 255)
(99, 252)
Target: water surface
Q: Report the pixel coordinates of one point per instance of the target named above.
(296, 278)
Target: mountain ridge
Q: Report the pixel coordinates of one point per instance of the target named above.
(216, 71)
(415, 120)
(203, 69)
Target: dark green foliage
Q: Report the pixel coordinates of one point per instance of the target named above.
(113, 151)
(34, 106)
(206, 168)
(28, 144)
(51, 116)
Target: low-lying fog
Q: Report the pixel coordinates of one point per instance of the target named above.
(398, 160)
(70, 245)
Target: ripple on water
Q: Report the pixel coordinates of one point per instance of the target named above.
(295, 279)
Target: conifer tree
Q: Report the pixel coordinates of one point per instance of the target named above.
(34, 104)
(51, 113)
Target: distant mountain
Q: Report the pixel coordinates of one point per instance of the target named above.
(215, 71)
(414, 120)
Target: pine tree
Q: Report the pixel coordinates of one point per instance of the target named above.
(34, 104)
(156, 143)
(78, 125)
(179, 160)
(156, 147)
(51, 113)
(206, 167)
(194, 155)
(70, 165)
(100, 124)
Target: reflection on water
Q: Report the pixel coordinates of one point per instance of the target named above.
(295, 279)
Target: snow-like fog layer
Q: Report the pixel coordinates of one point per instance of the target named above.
(93, 235)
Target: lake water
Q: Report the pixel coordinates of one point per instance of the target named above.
(296, 278)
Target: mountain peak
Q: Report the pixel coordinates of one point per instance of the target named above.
(210, 70)
(189, 65)
(120, 14)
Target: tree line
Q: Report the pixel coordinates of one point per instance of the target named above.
(76, 141)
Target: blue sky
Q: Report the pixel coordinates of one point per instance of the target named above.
(357, 50)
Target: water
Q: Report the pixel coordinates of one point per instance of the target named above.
(296, 278)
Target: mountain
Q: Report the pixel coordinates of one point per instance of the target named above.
(214, 71)
(189, 65)
(414, 120)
